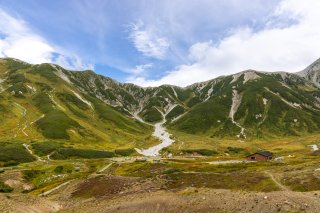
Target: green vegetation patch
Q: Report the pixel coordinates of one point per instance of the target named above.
(29, 175)
(17, 78)
(237, 150)
(171, 171)
(18, 90)
(46, 148)
(204, 116)
(175, 112)
(204, 152)
(14, 65)
(140, 168)
(125, 152)
(13, 153)
(70, 98)
(302, 181)
(250, 181)
(66, 153)
(193, 101)
(55, 123)
(152, 115)
(46, 71)
(5, 188)
(58, 169)
(115, 118)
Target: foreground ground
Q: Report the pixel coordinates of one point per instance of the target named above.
(187, 200)
(195, 174)
(179, 184)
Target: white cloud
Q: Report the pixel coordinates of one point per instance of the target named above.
(278, 46)
(71, 61)
(18, 41)
(139, 69)
(148, 42)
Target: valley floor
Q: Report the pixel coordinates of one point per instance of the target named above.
(179, 184)
(181, 179)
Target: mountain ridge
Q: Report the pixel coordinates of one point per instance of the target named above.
(255, 98)
(315, 67)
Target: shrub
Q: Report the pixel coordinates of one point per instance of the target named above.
(237, 150)
(45, 148)
(13, 153)
(125, 152)
(5, 188)
(175, 112)
(152, 115)
(46, 71)
(65, 153)
(58, 169)
(204, 152)
(31, 174)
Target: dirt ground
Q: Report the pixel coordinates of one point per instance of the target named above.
(205, 200)
(109, 193)
(23, 203)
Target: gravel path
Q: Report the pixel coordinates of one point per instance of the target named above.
(280, 185)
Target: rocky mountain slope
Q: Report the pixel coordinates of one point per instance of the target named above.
(47, 101)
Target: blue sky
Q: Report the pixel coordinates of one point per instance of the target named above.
(152, 42)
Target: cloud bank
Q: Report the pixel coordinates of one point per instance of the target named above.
(288, 41)
(17, 40)
(147, 42)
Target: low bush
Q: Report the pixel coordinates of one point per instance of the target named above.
(45, 148)
(13, 153)
(66, 153)
(237, 150)
(152, 115)
(5, 188)
(204, 152)
(58, 169)
(31, 174)
(125, 152)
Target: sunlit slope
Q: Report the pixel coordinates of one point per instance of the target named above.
(38, 103)
(47, 101)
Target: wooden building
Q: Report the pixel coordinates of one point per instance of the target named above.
(260, 156)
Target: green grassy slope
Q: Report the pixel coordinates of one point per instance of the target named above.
(43, 102)
(38, 102)
(291, 108)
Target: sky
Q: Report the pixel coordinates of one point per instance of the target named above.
(152, 42)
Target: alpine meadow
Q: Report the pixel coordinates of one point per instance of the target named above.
(171, 107)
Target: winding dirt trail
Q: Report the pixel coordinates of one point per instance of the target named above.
(105, 168)
(280, 185)
(22, 125)
(54, 189)
(31, 152)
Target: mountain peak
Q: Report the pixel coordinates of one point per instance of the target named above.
(312, 72)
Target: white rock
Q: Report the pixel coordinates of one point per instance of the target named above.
(265, 101)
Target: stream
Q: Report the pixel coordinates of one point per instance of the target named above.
(161, 133)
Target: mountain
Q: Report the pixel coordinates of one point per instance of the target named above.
(38, 102)
(46, 101)
(312, 73)
(254, 104)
